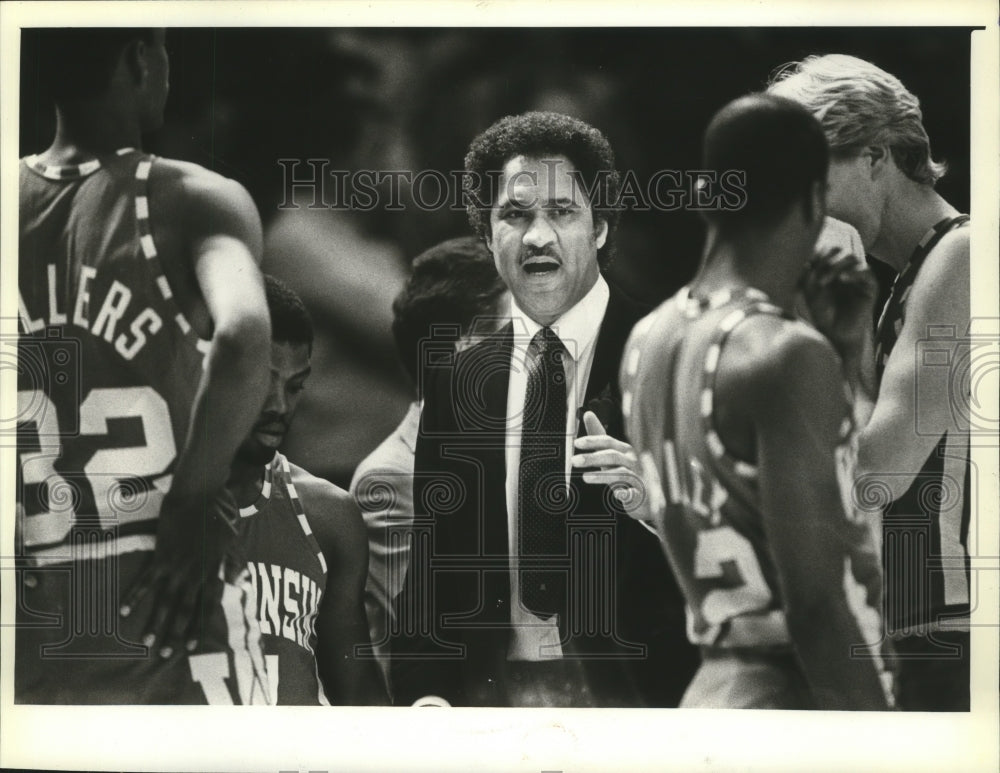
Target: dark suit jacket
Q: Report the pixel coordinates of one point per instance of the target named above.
(453, 630)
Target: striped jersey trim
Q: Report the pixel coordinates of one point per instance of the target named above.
(894, 312)
(265, 491)
(759, 305)
(148, 245)
(300, 513)
(69, 171)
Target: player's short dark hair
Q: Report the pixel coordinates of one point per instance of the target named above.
(543, 135)
(779, 146)
(290, 321)
(453, 283)
(76, 63)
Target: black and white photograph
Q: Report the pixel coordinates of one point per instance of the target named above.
(586, 374)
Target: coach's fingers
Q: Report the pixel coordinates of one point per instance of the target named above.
(600, 443)
(606, 459)
(592, 424)
(630, 496)
(615, 476)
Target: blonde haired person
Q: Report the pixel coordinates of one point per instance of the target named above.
(913, 455)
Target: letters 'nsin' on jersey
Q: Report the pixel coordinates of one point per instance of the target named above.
(288, 574)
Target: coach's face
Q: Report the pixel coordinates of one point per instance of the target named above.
(544, 237)
(289, 369)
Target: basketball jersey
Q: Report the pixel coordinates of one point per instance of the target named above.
(926, 530)
(108, 369)
(288, 574)
(704, 500)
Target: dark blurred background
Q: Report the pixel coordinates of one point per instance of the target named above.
(412, 99)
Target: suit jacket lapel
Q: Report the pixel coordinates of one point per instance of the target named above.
(494, 360)
(620, 316)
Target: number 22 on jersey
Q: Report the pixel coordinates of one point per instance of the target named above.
(720, 551)
(114, 475)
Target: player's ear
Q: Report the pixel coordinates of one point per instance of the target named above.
(879, 158)
(600, 231)
(134, 56)
(815, 202)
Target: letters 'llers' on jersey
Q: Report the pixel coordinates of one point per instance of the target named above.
(288, 574)
(108, 364)
(705, 501)
(108, 370)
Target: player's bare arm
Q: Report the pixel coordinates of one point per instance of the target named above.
(209, 234)
(890, 443)
(794, 398)
(341, 625)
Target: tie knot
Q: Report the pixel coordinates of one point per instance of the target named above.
(546, 341)
(546, 355)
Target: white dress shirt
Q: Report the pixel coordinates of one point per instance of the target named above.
(383, 488)
(534, 638)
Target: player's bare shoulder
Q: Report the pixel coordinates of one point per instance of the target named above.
(332, 513)
(189, 206)
(771, 359)
(954, 245)
(200, 201)
(946, 268)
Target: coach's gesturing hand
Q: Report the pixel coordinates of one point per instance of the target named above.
(617, 464)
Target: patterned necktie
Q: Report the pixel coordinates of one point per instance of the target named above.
(541, 493)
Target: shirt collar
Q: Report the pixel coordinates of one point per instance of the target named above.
(578, 327)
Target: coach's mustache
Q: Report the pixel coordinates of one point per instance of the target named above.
(530, 253)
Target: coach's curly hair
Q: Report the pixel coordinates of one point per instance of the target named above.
(859, 104)
(543, 135)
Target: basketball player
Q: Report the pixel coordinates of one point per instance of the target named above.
(915, 446)
(304, 540)
(141, 314)
(741, 421)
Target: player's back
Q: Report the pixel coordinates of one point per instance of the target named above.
(705, 498)
(709, 514)
(110, 364)
(109, 367)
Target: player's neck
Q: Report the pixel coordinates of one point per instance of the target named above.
(910, 215)
(771, 263)
(83, 134)
(246, 481)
